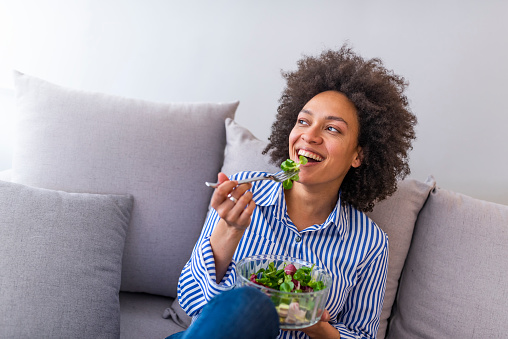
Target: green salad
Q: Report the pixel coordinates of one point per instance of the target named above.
(293, 311)
(287, 279)
(292, 166)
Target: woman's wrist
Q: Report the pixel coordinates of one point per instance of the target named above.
(227, 233)
(224, 241)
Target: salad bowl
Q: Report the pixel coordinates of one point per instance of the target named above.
(297, 288)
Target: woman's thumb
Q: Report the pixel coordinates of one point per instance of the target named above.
(325, 316)
(222, 177)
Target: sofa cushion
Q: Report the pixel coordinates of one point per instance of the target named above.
(455, 281)
(397, 216)
(141, 316)
(161, 153)
(177, 314)
(60, 262)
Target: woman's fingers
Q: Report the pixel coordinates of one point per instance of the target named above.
(239, 206)
(221, 193)
(221, 177)
(245, 216)
(234, 204)
(325, 316)
(238, 192)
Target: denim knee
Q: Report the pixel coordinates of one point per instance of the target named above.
(243, 312)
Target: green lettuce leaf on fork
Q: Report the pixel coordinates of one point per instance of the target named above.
(291, 166)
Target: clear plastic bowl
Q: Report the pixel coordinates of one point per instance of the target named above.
(296, 310)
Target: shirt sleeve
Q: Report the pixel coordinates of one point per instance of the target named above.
(197, 283)
(360, 315)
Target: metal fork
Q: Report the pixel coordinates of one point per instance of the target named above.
(279, 177)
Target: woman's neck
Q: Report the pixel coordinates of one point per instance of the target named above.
(309, 206)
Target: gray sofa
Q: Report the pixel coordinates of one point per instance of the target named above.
(106, 199)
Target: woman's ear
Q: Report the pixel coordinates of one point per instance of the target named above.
(357, 161)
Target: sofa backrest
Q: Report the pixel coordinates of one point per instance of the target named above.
(455, 280)
(161, 153)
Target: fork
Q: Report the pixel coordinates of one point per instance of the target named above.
(278, 177)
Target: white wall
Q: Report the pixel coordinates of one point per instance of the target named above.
(453, 53)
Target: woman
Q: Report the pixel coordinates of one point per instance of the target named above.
(350, 119)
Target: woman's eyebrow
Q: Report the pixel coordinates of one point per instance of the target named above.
(330, 117)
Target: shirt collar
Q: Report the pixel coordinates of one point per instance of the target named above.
(338, 218)
(270, 193)
(342, 218)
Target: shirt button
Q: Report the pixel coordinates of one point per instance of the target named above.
(298, 239)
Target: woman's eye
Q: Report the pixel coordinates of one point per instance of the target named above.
(302, 122)
(332, 129)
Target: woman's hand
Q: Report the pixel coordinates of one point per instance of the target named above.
(233, 202)
(322, 329)
(235, 206)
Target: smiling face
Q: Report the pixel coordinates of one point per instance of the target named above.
(326, 133)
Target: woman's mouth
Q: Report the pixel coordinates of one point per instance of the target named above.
(312, 157)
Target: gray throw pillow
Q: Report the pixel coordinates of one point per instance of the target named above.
(60, 262)
(455, 281)
(161, 153)
(397, 216)
(244, 151)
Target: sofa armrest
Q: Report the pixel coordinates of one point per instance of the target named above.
(6, 175)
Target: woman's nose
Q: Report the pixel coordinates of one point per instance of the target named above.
(312, 136)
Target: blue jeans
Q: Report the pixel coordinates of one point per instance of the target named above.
(243, 312)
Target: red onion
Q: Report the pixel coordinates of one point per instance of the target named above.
(290, 269)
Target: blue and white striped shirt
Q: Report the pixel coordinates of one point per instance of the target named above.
(350, 246)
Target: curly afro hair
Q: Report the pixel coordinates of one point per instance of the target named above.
(385, 119)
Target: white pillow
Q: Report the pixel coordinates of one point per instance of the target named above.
(6, 175)
(244, 151)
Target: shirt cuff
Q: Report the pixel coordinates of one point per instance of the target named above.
(203, 270)
(345, 333)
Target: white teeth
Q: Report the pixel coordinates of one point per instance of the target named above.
(310, 155)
